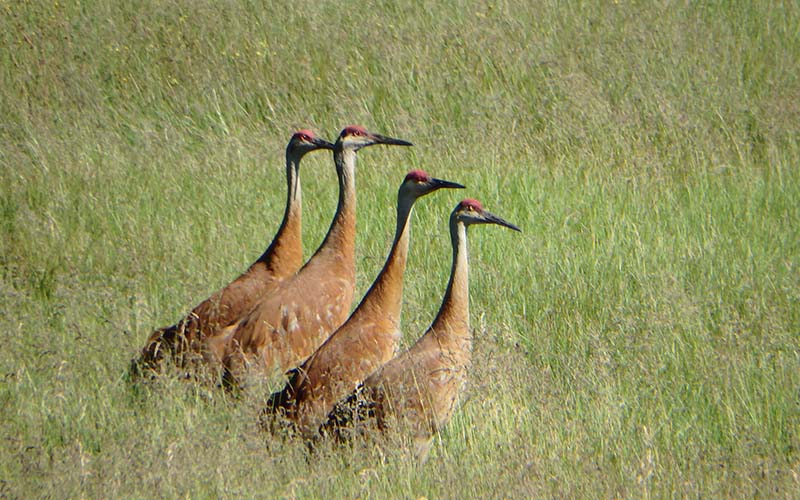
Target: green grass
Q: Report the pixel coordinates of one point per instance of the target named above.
(640, 338)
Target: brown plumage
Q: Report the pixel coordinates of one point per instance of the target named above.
(292, 322)
(367, 339)
(419, 389)
(281, 259)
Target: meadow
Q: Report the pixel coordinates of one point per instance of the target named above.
(640, 338)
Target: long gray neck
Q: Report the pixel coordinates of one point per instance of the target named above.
(341, 234)
(453, 316)
(385, 296)
(285, 253)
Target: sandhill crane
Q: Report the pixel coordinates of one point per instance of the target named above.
(369, 337)
(420, 388)
(292, 322)
(281, 259)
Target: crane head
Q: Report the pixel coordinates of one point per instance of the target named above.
(355, 137)
(470, 211)
(304, 141)
(418, 183)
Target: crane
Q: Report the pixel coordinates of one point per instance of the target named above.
(289, 324)
(281, 259)
(419, 389)
(369, 337)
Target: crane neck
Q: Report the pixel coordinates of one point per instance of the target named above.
(452, 321)
(385, 296)
(340, 239)
(284, 255)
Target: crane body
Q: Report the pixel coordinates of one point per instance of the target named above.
(419, 389)
(286, 327)
(195, 332)
(367, 339)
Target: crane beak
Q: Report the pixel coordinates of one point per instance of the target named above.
(321, 143)
(442, 184)
(382, 139)
(490, 218)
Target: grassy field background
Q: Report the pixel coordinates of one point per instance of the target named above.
(640, 339)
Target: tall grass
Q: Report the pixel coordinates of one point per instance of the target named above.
(640, 338)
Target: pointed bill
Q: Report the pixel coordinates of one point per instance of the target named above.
(494, 219)
(443, 184)
(382, 139)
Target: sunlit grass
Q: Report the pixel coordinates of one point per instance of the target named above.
(640, 338)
